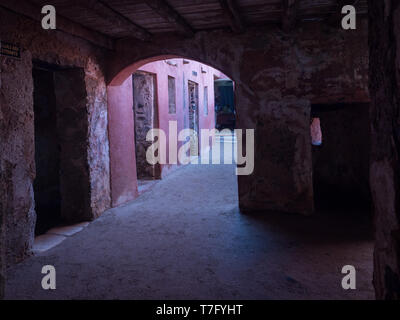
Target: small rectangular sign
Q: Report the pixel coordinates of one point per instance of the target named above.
(10, 50)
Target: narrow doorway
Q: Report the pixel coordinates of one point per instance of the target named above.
(193, 92)
(47, 152)
(62, 183)
(145, 113)
(225, 115)
(340, 153)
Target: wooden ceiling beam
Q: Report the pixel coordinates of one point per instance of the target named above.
(110, 15)
(169, 14)
(231, 11)
(32, 11)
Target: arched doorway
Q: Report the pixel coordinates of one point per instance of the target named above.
(282, 176)
(166, 93)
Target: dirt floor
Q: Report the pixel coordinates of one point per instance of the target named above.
(186, 239)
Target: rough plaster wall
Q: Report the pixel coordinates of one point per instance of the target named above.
(5, 170)
(122, 143)
(83, 94)
(283, 145)
(315, 63)
(98, 144)
(385, 145)
(17, 147)
(4, 197)
(341, 163)
(82, 103)
(17, 153)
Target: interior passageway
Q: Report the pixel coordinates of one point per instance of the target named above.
(72, 142)
(171, 240)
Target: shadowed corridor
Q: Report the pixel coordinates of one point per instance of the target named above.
(185, 239)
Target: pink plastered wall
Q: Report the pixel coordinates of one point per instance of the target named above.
(124, 186)
(122, 143)
(183, 70)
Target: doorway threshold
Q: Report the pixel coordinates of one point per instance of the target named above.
(55, 236)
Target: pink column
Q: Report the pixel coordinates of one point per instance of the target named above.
(122, 143)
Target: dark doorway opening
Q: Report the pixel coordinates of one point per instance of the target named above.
(47, 152)
(225, 115)
(61, 186)
(340, 152)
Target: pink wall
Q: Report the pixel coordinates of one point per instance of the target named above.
(122, 143)
(121, 119)
(183, 72)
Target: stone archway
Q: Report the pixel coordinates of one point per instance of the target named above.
(282, 176)
(276, 76)
(123, 162)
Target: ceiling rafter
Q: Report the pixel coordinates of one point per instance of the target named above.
(169, 14)
(231, 11)
(115, 18)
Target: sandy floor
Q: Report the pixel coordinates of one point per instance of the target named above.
(185, 239)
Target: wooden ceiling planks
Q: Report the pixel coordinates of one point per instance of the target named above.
(201, 15)
(141, 14)
(198, 14)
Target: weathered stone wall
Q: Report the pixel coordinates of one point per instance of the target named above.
(5, 172)
(98, 143)
(283, 146)
(17, 153)
(314, 63)
(384, 17)
(16, 127)
(341, 162)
